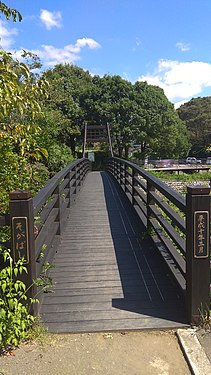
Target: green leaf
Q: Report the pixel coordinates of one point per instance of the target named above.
(15, 271)
(3, 286)
(16, 286)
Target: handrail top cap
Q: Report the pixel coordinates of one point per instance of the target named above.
(198, 190)
(20, 195)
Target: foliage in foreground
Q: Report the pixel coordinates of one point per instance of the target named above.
(17, 324)
(28, 135)
(15, 318)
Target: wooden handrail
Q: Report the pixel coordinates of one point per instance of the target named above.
(36, 223)
(44, 193)
(168, 217)
(51, 207)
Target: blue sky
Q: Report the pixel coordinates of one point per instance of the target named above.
(163, 42)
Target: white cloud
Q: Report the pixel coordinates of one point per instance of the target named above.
(180, 80)
(50, 19)
(183, 47)
(51, 55)
(178, 104)
(138, 43)
(6, 35)
(80, 43)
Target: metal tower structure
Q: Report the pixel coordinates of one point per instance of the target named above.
(97, 133)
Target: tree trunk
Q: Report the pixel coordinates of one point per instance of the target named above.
(72, 144)
(126, 152)
(120, 148)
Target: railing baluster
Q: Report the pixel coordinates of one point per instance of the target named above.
(125, 175)
(150, 202)
(162, 201)
(134, 184)
(58, 206)
(75, 180)
(69, 187)
(127, 183)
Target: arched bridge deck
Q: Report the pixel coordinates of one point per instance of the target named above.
(107, 274)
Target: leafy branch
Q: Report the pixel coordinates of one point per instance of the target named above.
(10, 12)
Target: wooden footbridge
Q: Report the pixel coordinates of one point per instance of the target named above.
(128, 251)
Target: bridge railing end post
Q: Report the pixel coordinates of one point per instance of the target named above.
(197, 252)
(23, 238)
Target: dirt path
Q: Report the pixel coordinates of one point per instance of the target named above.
(131, 353)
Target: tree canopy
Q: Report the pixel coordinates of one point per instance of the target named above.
(197, 117)
(42, 117)
(137, 113)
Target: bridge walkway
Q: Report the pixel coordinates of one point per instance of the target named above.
(107, 274)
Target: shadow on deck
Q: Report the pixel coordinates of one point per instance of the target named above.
(147, 284)
(108, 275)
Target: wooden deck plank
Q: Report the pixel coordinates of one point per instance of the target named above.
(105, 277)
(116, 325)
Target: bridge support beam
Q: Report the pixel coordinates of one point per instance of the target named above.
(197, 252)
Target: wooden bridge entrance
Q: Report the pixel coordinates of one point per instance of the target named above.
(107, 275)
(116, 238)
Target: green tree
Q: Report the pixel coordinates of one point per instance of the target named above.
(108, 100)
(197, 117)
(138, 113)
(158, 129)
(67, 84)
(20, 95)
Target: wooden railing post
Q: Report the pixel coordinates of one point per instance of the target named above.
(127, 183)
(115, 168)
(150, 202)
(75, 181)
(197, 252)
(79, 175)
(125, 175)
(58, 205)
(119, 172)
(134, 185)
(22, 237)
(69, 187)
(122, 175)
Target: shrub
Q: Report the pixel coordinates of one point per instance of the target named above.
(15, 316)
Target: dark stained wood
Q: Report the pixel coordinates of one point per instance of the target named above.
(21, 207)
(107, 276)
(52, 206)
(4, 220)
(198, 267)
(154, 203)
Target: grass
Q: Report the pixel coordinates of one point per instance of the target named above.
(205, 319)
(38, 333)
(183, 177)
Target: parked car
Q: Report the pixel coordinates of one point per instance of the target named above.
(208, 161)
(192, 160)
